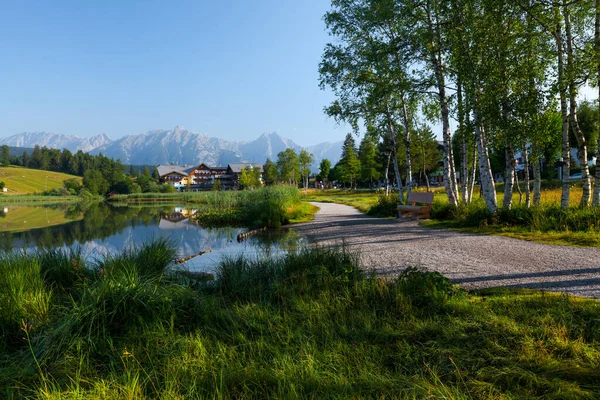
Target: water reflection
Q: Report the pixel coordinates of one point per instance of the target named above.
(102, 229)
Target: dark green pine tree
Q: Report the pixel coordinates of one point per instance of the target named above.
(349, 164)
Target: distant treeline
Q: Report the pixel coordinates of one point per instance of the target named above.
(101, 174)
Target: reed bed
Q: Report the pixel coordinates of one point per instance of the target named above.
(308, 325)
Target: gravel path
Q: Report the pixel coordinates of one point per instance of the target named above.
(474, 261)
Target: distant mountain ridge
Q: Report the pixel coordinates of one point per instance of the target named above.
(176, 146)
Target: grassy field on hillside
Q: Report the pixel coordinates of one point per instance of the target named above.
(20, 181)
(308, 325)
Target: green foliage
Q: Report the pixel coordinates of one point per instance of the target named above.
(324, 169)
(546, 218)
(62, 269)
(305, 159)
(166, 188)
(269, 206)
(250, 178)
(95, 182)
(367, 154)
(386, 206)
(24, 298)
(270, 174)
(288, 166)
(4, 155)
(72, 185)
(426, 289)
(348, 168)
(306, 325)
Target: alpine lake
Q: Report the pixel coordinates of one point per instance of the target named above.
(100, 229)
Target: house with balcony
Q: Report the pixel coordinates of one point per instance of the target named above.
(203, 177)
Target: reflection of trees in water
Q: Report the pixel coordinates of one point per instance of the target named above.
(99, 222)
(284, 239)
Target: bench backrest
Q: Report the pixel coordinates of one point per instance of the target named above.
(420, 197)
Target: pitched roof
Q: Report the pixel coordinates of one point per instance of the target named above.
(178, 169)
(238, 167)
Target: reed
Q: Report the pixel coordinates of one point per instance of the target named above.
(307, 325)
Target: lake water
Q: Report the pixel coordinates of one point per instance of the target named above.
(101, 229)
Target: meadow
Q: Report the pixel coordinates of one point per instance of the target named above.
(24, 181)
(309, 325)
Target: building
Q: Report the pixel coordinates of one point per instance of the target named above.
(203, 177)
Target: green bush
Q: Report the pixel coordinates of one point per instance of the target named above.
(386, 206)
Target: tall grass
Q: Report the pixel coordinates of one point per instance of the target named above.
(24, 298)
(269, 206)
(307, 325)
(544, 218)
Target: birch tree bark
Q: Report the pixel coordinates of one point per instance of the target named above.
(406, 120)
(464, 162)
(394, 153)
(438, 67)
(566, 149)
(488, 187)
(573, 122)
(473, 174)
(596, 199)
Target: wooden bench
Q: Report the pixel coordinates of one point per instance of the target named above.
(425, 198)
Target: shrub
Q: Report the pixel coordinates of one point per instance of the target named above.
(386, 206)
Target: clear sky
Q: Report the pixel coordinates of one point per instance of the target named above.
(228, 68)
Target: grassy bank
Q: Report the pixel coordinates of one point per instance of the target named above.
(25, 181)
(270, 206)
(310, 325)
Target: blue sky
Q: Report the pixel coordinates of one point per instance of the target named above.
(230, 68)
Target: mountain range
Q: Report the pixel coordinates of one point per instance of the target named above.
(176, 146)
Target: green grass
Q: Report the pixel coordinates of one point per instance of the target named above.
(547, 223)
(309, 325)
(270, 206)
(25, 181)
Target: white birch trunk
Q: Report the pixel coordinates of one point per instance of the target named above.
(436, 60)
(464, 162)
(406, 120)
(488, 188)
(573, 122)
(566, 187)
(394, 154)
(596, 199)
(473, 174)
(387, 174)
